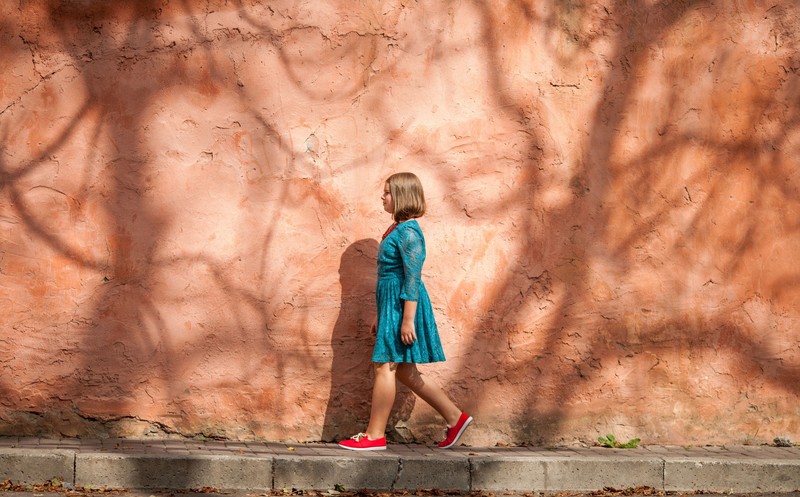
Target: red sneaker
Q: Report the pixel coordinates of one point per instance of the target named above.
(454, 433)
(363, 442)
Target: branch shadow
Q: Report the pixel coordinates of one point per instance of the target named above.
(558, 355)
(572, 349)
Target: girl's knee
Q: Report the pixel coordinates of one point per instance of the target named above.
(409, 375)
(385, 367)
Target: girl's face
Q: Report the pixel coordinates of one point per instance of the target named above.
(388, 202)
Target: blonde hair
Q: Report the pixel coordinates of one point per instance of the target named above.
(407, 195)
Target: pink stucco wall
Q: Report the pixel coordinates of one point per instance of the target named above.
(190, 205)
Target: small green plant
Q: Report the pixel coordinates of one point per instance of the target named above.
(612, 442)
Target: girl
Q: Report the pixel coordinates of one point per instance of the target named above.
(405, 329)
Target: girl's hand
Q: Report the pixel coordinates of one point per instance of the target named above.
(407, 333)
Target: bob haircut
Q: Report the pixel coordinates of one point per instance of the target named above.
(407, 195)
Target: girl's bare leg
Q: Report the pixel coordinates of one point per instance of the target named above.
(383, 392)
(409, 376)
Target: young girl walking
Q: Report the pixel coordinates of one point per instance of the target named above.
(405, 329)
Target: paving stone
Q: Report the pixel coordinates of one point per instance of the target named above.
(732, 475)
(30, 466)
(143, 471)
(420, 472)
(329, 472)
(502, 473)
(581, 473)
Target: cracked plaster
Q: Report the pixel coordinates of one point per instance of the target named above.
(190, 202)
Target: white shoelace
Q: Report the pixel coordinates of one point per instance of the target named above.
(359, 436)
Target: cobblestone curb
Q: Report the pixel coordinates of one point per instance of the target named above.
(184, 465)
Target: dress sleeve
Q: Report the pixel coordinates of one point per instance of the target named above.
(412, 252)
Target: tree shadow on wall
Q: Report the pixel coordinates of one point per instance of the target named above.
(570, 351)
(138, 228)
(348, 407)
(124, 339)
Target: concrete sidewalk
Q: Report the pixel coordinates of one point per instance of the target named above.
(185, 464)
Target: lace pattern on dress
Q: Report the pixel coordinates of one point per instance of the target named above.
(412, 252)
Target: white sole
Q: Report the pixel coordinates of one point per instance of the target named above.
(364, 449)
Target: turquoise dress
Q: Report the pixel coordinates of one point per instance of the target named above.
(400, 258)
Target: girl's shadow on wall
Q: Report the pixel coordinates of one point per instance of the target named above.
(352, 341)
